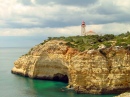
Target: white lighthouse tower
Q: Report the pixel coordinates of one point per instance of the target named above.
(83, 31)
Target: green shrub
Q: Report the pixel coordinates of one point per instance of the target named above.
(70, 44)
(107, 44)
(92, 41)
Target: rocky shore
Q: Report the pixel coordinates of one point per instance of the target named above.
(101, 71)
(127, 94)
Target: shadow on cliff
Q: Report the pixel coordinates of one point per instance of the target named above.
(57, 77)
(60, 77)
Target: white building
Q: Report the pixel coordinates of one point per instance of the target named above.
(83, 30)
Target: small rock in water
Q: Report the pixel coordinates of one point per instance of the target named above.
(127, 94)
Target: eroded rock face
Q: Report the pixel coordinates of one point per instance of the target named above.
(100, 72)
(94, 71)
(48, 61)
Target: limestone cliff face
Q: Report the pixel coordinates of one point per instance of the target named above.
(93, 71)
(48, 61)
(98, 72)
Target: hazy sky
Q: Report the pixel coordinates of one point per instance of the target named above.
(62, 17)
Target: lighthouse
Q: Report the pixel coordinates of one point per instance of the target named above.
(83, 31)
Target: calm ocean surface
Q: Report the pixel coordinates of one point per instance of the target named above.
(12, 85)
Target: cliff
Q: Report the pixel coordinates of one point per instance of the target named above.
(91, 71)
(48, 61)
(100, 72)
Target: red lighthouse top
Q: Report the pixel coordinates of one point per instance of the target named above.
(83, 23)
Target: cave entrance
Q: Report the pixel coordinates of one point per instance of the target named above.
(60, 77)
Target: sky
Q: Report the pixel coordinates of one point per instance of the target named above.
(49, 18)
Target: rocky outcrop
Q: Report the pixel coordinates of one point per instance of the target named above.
(127, 94)
(100, 71)
(48, 61)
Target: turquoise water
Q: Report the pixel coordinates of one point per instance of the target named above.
(12, 85)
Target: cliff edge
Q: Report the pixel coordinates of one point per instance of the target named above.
(101, 71)
(45, 61)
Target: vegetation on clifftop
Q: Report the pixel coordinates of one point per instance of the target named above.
(94, 41)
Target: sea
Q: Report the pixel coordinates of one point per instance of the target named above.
(12, 85)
